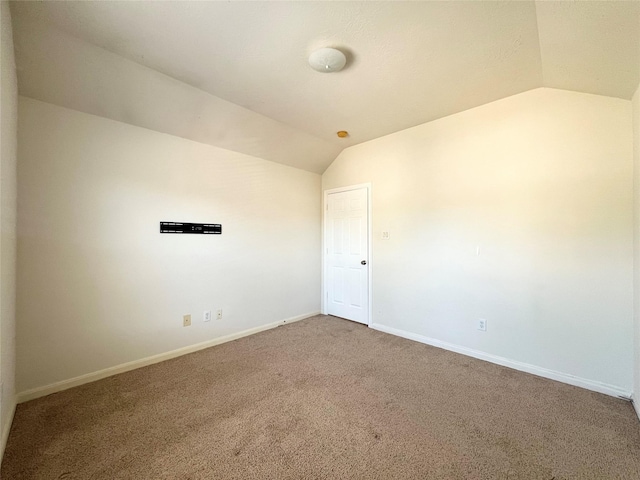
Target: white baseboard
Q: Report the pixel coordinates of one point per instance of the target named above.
(593, 385)
(6, 430)
(143, 362)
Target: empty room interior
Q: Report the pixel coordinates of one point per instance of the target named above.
(320, 240)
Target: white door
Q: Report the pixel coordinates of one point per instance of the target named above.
(347, 255)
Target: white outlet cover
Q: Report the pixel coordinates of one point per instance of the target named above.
(482, 324)
(207, 316)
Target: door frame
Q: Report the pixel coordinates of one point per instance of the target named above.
(325, 206)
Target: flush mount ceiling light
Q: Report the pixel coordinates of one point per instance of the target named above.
(327, 60)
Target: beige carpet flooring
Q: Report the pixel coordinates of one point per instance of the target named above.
(324, 398)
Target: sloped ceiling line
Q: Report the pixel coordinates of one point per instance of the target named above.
(412, 62)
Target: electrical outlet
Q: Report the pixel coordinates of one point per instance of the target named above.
(186, 320)
(482, 324)
(219, 314)
(207, 316)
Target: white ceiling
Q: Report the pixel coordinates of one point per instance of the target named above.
(235, 74)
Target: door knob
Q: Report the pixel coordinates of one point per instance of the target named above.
(363, 262)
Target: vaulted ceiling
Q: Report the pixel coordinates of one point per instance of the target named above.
(235, 74)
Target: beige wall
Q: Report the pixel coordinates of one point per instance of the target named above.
(541, 183)
(99, 286)
(636, 245)
(8, 143)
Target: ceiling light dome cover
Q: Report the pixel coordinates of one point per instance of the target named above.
(327, 60)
